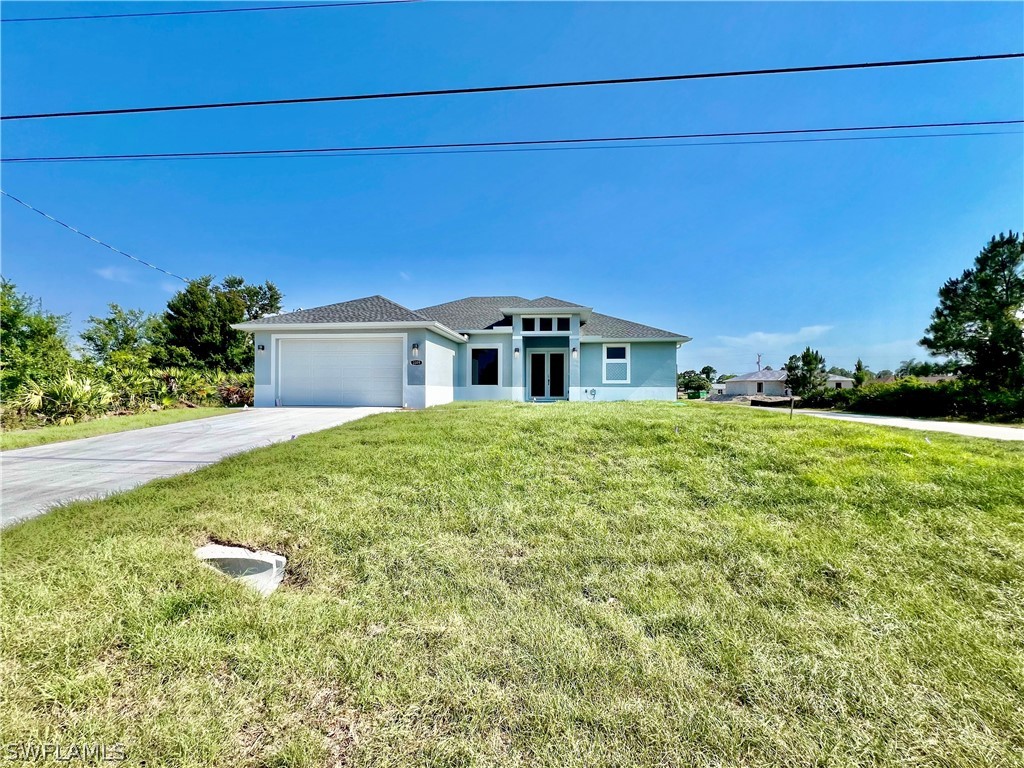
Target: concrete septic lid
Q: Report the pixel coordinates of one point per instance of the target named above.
(263, 571)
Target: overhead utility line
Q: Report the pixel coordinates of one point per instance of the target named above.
(90, 237)
(297, 7)
(525, 143)
(521, 87)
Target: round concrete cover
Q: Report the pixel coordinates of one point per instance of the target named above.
(263, 571)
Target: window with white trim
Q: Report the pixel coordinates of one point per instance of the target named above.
(485, 366)
(615, 364)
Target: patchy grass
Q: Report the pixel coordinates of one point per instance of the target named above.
(26, 438)
(559, 585)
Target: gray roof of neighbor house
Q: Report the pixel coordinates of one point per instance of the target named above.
(775, 376)
(759, 376)
(371, 309)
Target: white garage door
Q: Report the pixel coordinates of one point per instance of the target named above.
(334, 372)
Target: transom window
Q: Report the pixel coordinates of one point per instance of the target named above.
(484, 366)
(615, 364)
(546, 324)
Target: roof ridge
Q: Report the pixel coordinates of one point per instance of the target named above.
(392, 301)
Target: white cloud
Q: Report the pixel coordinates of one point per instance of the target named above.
(114, 274)
(775, 340)
(405, 276)
(738, 354)
(170, 287)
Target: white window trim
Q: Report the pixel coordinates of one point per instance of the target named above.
(605, 361)
(469, 364)
(554, 325)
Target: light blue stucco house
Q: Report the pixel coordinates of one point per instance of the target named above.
(373, 351)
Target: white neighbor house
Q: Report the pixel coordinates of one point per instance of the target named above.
(771, 383)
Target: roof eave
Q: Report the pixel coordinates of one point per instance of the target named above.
(583, 312)
(624, 339)
(433, 325)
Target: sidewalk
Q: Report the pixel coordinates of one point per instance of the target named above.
(991, 431)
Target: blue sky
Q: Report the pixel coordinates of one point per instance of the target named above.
(761, 248)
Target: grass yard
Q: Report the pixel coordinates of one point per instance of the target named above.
(26, 438)
(559, 585)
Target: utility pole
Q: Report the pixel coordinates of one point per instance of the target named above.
(759, 361)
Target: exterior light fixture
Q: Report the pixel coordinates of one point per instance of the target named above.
(516, 352)
(575, 353)
(415, 350)
(260, 347)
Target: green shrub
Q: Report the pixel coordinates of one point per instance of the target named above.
(961, 398)
(132, 385)
(64, 399)
(182, 385)
(235, 389)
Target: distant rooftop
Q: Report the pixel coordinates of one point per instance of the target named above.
(777, 376)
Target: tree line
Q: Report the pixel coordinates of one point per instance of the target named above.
(129, 359)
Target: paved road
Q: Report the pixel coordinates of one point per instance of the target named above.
(37, 479)
(993, 431)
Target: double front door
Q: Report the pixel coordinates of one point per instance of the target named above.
(547, 376)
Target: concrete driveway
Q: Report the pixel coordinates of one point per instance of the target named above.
(35, 480)
(991, 431)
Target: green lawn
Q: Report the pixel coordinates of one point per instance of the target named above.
(559, 585)
(25, 438)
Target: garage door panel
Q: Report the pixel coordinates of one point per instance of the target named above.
(341, 372)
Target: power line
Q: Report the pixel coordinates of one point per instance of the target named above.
(521, 87)
(524, 143)
(90, 237)
(587, 147)
(212, 10)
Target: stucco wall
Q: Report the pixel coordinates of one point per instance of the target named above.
(773, 388)
(466, 391)
(444, 374)
(652, 372)
(440, 364)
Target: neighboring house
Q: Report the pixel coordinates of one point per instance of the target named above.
(373, 351)
(772, 383)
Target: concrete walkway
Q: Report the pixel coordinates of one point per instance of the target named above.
(992, 431)
(36, 479)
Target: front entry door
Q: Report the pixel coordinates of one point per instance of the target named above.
(547, 375)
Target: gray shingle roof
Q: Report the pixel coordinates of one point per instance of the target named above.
(547, 302)
(371, 309)
(777, 376)
(469, 314)
(473, 312)
(616, 328)
(761, 376)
